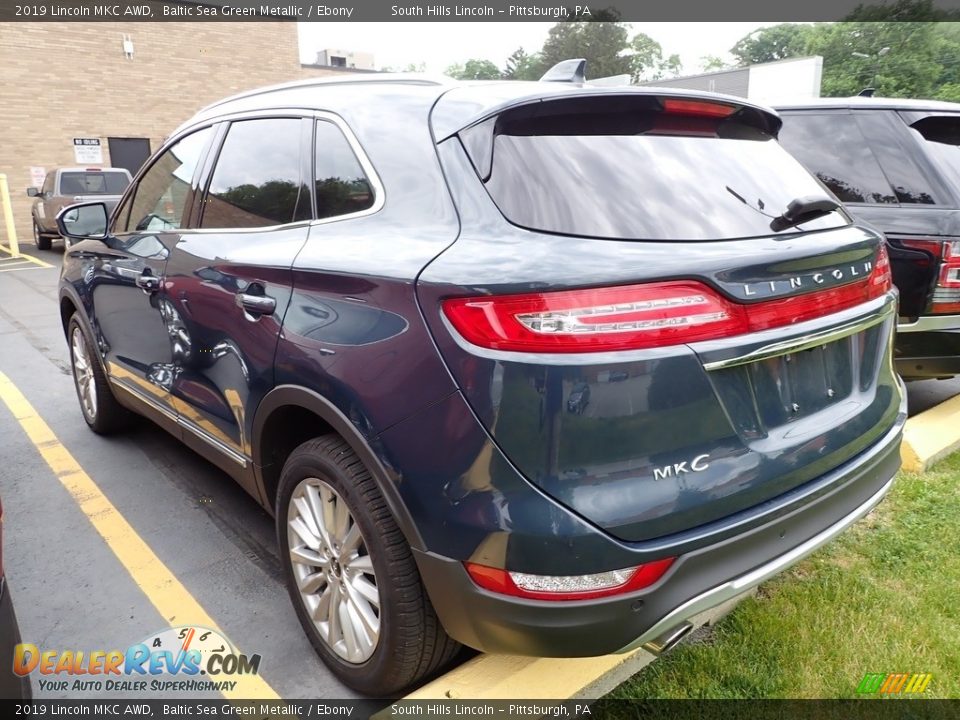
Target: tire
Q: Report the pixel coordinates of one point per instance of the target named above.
(402, 640)
(43, 241)
(99, 407)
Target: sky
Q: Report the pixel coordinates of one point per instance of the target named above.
(439, 44)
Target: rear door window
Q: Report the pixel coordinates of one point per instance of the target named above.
(641, 174)
(257, 179)
(832, 147)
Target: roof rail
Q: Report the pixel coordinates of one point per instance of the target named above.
(571, 71)
(373, 78)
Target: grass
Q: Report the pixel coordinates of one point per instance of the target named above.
(882, 598)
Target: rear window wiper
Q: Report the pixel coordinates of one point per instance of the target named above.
(802, 210)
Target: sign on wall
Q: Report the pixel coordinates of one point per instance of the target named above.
(87, 151)
(37, 176)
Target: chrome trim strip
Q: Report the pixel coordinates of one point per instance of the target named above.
(805, 342)
(738, 586)
(202, 434)
(927, 323)
(213, 442)
(123, 385)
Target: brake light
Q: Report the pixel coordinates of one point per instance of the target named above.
(946, 296)
(635, 317)
(568, 587)
(700, 108)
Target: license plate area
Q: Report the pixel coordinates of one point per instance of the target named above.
(796, 385)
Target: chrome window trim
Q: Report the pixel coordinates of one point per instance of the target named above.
(379, 198)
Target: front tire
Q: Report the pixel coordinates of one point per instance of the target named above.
(350, 573)
(43, 241)
(99, 407)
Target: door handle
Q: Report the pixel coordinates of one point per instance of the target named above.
(259, 304)
(148, 283)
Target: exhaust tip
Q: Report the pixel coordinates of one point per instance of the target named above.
(668, 639)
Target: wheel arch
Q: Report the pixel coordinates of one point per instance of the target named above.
(283, 418)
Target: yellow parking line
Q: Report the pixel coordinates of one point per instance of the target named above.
(29, 258)
(168, 595)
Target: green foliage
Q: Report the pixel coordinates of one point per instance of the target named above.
(772, 43)
(522, 65)
(896, 49)
(709, 63)
(474, 69)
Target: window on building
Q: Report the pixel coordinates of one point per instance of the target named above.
(341, 185)
(160, 200)
(256, 181)
(832, 147)
(337, 61)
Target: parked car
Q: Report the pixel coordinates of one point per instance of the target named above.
(67, 186)
(371, 326)
(579, 398)
(12, 686)
(896, 165)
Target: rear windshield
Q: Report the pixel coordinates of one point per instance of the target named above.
(93, 183)
(645, 175)
(941, 137)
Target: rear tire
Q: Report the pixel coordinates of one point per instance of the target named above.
(350, 573)
(100, 409)
(43, 241)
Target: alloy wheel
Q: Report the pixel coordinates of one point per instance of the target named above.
(83, 376)
(333, 570)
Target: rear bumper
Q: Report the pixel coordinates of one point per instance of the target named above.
(12, 687)
(697, 581)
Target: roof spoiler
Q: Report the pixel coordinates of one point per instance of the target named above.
(569, 71)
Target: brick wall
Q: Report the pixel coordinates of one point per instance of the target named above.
(67, 80)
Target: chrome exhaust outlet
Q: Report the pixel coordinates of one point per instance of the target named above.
(667, 640)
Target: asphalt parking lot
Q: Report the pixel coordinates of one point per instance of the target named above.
(215, 547)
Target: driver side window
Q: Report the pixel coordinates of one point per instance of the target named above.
(160, 199)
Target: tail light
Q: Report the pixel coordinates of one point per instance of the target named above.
(946, 252)
(634, 317)
(568, 587)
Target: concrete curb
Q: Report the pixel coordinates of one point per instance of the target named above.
(508, 677)
(931, 436)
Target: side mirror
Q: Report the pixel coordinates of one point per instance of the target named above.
(85, 221)
(32, 192)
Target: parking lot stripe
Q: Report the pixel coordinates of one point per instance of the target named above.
(168, 595)
(29, 258)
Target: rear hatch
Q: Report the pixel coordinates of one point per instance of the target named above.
(94, 185)
(641, 331)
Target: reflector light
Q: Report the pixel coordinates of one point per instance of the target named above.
(635, 317)
(701, 108)
(568, 587)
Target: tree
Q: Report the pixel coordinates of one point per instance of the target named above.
(769, 44)
(603, 41)
(524, 66)
(474, 69)
(710, 63)
(647, 61)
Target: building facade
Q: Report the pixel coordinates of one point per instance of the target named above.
(125, 85)
(345, 59)
(792, 79)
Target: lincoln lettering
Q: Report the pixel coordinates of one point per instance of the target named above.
(800, 282)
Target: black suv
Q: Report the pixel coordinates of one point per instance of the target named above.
(896, 165)
(370, 301)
